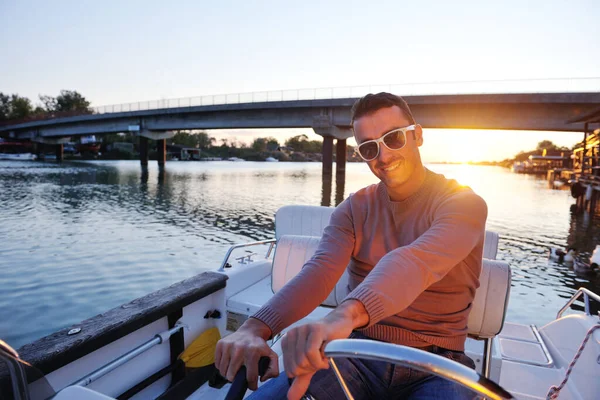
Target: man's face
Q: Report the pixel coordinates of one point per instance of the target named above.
(393, 167)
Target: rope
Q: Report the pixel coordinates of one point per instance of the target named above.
(554, 391)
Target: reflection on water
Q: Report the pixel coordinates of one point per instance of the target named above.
(79, 238)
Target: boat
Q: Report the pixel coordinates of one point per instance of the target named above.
(271, 159)
(137, 350)
(235, 159)
(16, 151)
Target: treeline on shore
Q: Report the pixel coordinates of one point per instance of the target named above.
(296, 148)
(15, 109)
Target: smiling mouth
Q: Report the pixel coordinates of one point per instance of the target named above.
(392, 167)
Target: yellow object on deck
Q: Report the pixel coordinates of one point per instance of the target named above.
(201, 352)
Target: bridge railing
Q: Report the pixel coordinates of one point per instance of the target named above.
(566, 85)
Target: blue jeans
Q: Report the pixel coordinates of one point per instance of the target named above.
(367, 379)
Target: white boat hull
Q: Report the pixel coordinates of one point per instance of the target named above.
(18, 156)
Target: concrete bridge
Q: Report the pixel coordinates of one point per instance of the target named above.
(327, 113)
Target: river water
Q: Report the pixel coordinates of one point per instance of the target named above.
(79, 238)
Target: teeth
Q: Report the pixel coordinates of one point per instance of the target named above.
(392, 167)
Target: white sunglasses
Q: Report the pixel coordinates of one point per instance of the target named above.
(393, 140)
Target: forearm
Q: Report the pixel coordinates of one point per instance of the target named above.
(300, 296)
(351, 312)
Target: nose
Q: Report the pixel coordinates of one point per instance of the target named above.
(385, 154)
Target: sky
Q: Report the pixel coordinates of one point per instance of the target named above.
(116, 52)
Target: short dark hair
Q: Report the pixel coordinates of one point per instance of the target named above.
(373, 102)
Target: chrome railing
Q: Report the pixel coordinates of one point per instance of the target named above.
(100, 372)
(572, 85)
(271, 243)
(412, 358)
(587, 294)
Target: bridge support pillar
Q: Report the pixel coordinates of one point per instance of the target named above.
(161, 145)
(144, 151)
(327, 155)
(323, 125)
(59, 152)
(44, 144)
(38, 149)
(161, 152)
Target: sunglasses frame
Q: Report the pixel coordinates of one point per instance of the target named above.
(381, 140)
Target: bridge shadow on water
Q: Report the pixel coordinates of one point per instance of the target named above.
(326, 189)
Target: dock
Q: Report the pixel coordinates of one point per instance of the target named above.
(585, 178)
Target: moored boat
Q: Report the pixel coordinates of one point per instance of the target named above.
(16, 151)
(124, 353)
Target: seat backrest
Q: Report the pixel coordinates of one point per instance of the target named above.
(490, 245)
(491, 300)
(302, 220)
(291, 253)
(488, 308)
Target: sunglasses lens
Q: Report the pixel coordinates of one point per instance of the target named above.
(368, 151)
(395, 140)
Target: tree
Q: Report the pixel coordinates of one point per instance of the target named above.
(184, 138)
(301, 143)
(193, 139)
(546, 145)
(272, 144)
(67, 101)
(48, 102)
(296, 142)
(20, 107)
(14, 107)
(204, 140)
(4, 106)
(259, 144)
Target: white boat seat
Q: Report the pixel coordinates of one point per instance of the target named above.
(490, 245)
(302, 220)
(488, 309)
(291, 254)
(251, 299)
(312, 220)
(491, 300)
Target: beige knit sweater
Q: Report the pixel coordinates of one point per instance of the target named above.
(414, 264)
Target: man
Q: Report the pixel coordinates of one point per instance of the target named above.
(414, 242)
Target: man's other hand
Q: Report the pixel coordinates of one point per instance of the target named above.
(245, 347)
(303, 345)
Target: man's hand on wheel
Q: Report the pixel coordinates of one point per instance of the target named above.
(245, 347)
(303, 345)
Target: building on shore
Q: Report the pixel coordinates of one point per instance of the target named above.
(542, 163)
(586, 156)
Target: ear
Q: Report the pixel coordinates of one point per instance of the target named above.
(418, 135)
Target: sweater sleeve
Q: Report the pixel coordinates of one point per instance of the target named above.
(404, 273)
(318, 276)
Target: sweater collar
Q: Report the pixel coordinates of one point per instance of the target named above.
(426, 186)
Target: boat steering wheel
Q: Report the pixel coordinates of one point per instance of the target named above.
(393, 353)
(415, 359)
